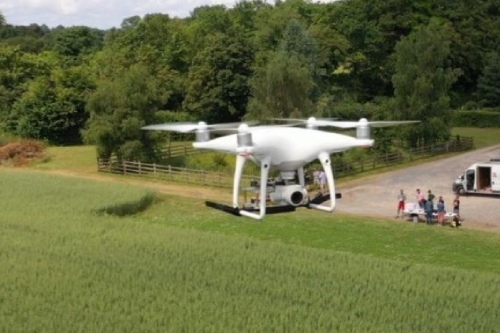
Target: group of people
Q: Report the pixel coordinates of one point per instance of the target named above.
(426, 203)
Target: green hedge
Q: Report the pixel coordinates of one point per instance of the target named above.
(477, 119)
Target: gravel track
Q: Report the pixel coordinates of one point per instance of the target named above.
(376, 195)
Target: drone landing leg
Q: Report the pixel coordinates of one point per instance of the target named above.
(264, 172)
(324, 158)
(238, 171)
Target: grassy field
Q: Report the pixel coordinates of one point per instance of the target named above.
(483, 137)
(67, 266)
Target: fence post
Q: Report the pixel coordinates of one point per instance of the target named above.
(124, 167)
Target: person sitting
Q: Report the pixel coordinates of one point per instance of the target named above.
(455, 223)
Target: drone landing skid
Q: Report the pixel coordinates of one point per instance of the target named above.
(236, 211)
(320, 198)
(224, 208)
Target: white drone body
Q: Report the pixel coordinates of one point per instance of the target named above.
(283, 148)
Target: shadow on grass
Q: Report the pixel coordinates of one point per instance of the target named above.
(129, 208)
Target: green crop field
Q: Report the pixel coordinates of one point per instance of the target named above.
(86, 256)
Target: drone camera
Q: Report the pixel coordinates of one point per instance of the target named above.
(296, 198)
(293, 195)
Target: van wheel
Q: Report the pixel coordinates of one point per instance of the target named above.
(461, 190)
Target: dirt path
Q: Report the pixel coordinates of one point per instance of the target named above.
(190, 191)
(376, 196)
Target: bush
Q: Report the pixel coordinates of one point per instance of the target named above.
(21, 152)
(215, 161)
(477, 119)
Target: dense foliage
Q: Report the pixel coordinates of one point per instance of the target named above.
(351, 58)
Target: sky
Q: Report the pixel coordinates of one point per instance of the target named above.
(101, 14)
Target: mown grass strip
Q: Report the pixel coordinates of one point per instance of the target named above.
(385, 238)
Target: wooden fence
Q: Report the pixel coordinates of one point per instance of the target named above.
(345, 168)
(170, 173)
(341, 167)
(179, 150)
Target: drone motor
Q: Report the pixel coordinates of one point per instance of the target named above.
(202, 134)
(363, 129)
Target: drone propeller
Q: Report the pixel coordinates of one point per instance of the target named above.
(311, 122)
(188, 127)
(201, 128)
(364, 122)
(362, 126)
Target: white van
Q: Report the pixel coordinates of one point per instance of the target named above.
(481, 178)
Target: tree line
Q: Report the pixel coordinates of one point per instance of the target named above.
(382, 59)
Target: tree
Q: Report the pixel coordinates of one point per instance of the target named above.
(488, 87)
(17, 69)
(372, 28)
(53, 107)
(281, 89)
(130, 22)
(119, 108)
(423, 83)
(75, 42)
(217, 86)
(243, 15)
(286, 85)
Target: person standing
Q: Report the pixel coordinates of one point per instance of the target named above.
(429, 210)
(401, 203)
(316, 176)
(420, 199)
(456, 206)
(322, 181)
(440, 210)
(430, 197)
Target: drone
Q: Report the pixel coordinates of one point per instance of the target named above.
(284, 148)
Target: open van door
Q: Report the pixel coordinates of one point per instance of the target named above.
(470, 176)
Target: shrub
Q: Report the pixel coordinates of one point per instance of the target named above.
(477, 119)
(21, 152)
